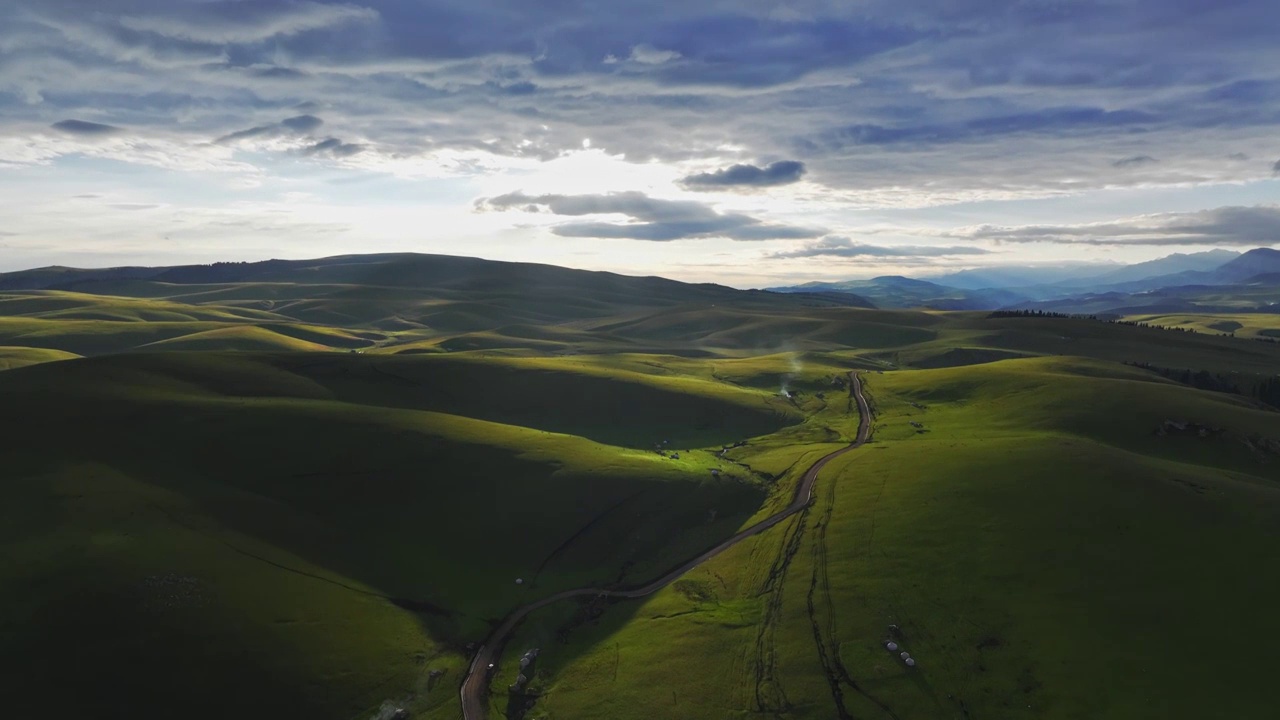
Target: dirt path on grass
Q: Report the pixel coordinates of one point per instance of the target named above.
(475, 686)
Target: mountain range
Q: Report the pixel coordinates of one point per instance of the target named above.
(1213, 281)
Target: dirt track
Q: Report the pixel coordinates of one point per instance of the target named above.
(475, 686)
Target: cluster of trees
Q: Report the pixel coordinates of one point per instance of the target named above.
(1268, 391)
(1131, 323)
(1037, 314)
(1202, 379)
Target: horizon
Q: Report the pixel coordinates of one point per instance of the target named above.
(751, 144)
(937, 274)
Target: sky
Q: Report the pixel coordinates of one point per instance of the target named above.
(752, 142)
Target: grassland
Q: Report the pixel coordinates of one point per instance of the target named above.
(302, 493)
(1033, 544)
(333, 472)
(1250, 325)
(16, 357)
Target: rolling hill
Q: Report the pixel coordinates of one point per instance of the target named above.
(325, 483)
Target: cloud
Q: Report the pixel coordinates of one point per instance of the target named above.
(652, 219)
(843, 247)
(1231, 226)
(302, 123)
(1275, 169)
(783, 172)
(650, 55)
(239, 23)
(85, 128)
(333, 147)
(940, 85)
(298, 125)
(1054, 120)
(1134, 161)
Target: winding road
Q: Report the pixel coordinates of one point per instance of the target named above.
(475, 686)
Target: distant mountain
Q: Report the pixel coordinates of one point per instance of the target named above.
(895, 291)
(1170, 265)
(1240, 269)
(1020, 276)
(1255, 262)
(1182, 282)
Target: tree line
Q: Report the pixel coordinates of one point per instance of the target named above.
(1267, 391)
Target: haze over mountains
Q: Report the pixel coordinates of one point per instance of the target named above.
(1217, 280)
(459, 293)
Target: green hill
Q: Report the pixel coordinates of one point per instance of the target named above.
(317, 483)
(384, 535)
(16, 357)
(1034, 538)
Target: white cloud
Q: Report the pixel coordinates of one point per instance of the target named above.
(650, 55)
(216, 23)
(1229, 226)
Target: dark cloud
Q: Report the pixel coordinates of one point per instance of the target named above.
(333, 147)
(950, 98)
(843, 247)
(652, 219)
(298, 125)
(1053, 121)
(521, 87)
(85, 128)
(1134, 161)
(259, 131)
(783, 172)
(1231, 226)
(302, 123)
(1276, 168)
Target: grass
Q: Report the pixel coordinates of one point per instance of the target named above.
(1247, 325)
(230, 467)
(16, 357)
(1056, 590)
(319, 485)
(120, 594)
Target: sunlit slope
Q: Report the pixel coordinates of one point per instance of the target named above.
(244, 338)
(55, 305)
(589, 397)
(976, 332)
(1048, 547)
(16, 357)
(102, 337)
(744, 329)
(312, 533)
(1250, 325)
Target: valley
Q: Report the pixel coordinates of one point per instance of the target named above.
(341, 488)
